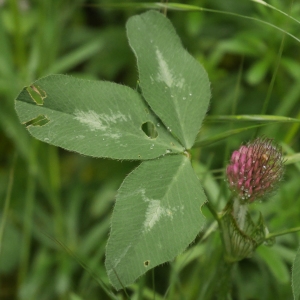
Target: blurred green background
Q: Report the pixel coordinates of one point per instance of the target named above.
(56, 205)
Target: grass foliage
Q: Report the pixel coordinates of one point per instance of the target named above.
(56, 205)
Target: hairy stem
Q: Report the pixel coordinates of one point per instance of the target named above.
(223, 282)
(239, 213)
(283, 232)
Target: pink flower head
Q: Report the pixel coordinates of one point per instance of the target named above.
(255, 169)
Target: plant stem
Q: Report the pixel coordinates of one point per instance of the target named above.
(223, 282)
(239, 213)
(212, 210)
(291, 230)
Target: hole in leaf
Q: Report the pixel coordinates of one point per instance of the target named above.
(40, 120)
(37, 94)
(150, 130)
(147, 263)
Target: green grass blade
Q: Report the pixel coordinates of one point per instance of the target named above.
(187, 7)
(276, 9)
(223, 135)
(84, 266)
(76, 57)
(275, 263)
(7, 201)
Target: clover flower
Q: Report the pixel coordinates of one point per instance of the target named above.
(255, 169)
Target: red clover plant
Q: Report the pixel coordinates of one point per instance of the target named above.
(158, 206)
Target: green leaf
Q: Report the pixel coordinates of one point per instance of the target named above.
(156, 216)
(174, 84)
(296, 276)
(95, 118)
